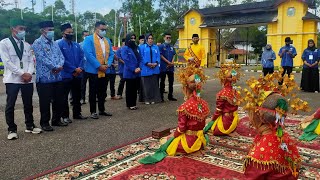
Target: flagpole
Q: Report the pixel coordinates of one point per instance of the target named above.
(115, 25)
(139, 25)
(51, 12)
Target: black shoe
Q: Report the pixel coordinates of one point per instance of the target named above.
(165, 92)
(80, 117)
(67, 120)
(94, 116)
(47, 128)
(105, 114)
(172, 99)
(59, 123)
(83, 102)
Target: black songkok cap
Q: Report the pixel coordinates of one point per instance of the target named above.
(65, 26)
(45, 24)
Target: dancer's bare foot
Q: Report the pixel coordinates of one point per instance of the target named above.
(233, 134)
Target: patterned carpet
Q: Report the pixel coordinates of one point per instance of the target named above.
(222, 159)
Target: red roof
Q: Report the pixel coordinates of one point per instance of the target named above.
(238, 51)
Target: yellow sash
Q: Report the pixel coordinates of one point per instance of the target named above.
(201, 140)
(219, 122)
(99, 53)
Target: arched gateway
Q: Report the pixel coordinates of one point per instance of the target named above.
(283, 18)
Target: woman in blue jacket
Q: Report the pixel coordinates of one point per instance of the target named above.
(310, 71)
(267, 60)
(150, 70)
(131, 71)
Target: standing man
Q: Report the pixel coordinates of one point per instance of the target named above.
(99, 57)
(18, 68)
(267, 59)
(195, 53)
(287, 53)
(167, 66)
(49, 64)
(72, 72)
(84, 77)
(120, 68)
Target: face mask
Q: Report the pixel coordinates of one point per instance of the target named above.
(268, 48)
(50, 34)
(21, 34)
(102, 33)
(132, 43)
(167, 41)
(69, 36)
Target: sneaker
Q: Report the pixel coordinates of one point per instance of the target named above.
(33, 130)
(115, 98)
(67, 120)
(147, 103)
(316, 92)
(83, 102)
(12, 135)
(119, 97)
(94, 116)
(152, 102)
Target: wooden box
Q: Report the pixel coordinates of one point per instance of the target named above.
(160, 132)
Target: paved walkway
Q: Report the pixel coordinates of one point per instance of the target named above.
(32, 154)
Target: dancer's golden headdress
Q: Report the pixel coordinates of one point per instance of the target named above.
(229, 72)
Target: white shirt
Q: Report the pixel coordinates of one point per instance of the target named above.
(11, 61)
(103, 46)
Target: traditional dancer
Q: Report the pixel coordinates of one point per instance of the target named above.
(273, 154)
(189, 136)
(225, 119)
(311, 127)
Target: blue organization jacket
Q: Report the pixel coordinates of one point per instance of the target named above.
(130, 63)
(120, 65)
(287, 60)
(144, 51)
(267, 58)
(92, 63)
(73, 58)
(168, 52)
(311, 57)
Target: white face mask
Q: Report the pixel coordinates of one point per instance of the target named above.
(167, 41)
(102, 33)
(21, 34)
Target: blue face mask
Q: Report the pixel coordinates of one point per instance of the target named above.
(21, 34)
(102, 33)
(50, 34)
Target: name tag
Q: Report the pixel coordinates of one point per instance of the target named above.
(311, 57)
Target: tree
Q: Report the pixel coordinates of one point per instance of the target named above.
(3, 4)
(172, 11)
(149, 16)
(215, 3)
(247, 1)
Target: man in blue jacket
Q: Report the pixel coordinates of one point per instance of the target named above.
(72, 72)
(99, 57)
(167, 66)
(287, 53)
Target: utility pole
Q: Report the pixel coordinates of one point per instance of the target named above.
(247, 46)
(43, 4)
(115, 27)
(33, 3)
(219, 41)
(73, 9)
(16, 3)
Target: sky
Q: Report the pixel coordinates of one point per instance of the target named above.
(99, 6)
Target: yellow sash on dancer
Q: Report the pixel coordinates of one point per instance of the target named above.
(99, 53)
(172, 149)
(317, 130)
(221, 127)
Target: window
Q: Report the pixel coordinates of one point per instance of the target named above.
(291, 11)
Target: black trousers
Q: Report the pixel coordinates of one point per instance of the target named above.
(50, 93)
(286, 69)
(73, 85)
(121, 85)
(97, 89)
(84, 86)
(267, 71)
(12, 91)
(112, 79)
(163, 75)
(131, 92)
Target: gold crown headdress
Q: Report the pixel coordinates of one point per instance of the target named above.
(185, 73)
(228, 69)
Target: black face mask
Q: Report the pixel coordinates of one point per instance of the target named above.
(69, 36)
(132, 44)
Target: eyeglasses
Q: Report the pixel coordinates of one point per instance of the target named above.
(150, 38)
(168, 37)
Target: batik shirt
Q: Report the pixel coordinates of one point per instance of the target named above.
(48, 58)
